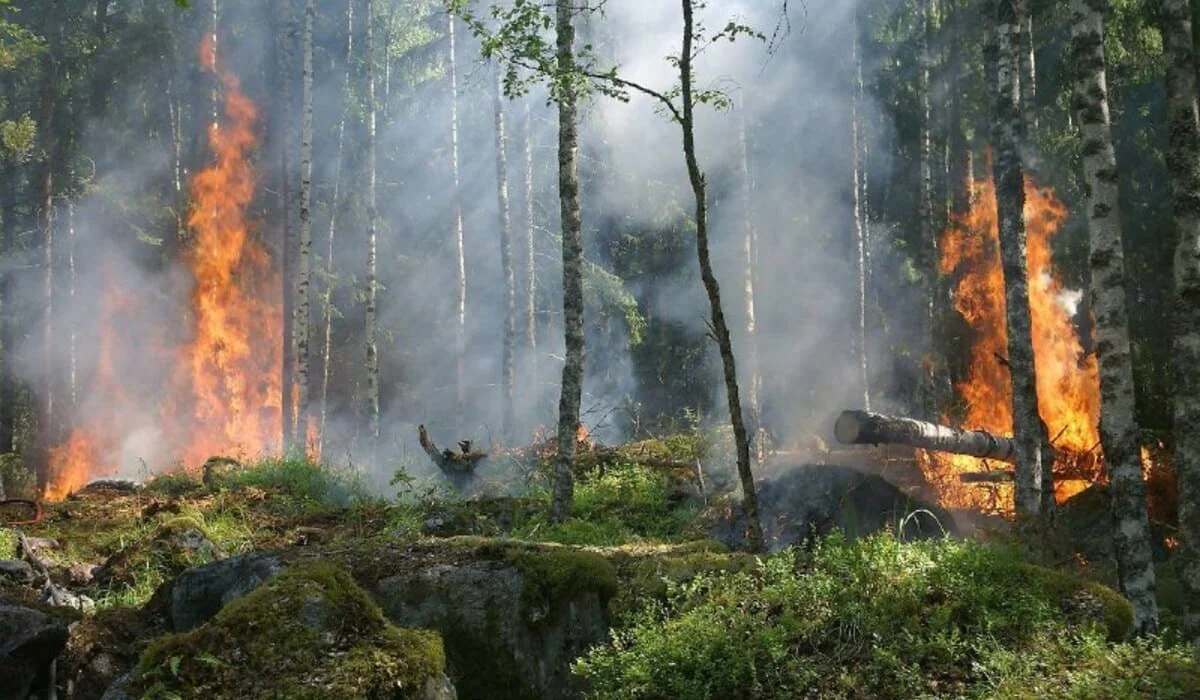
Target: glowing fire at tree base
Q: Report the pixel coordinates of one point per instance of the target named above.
(221, 390)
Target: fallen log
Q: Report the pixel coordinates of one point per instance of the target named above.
(866, 428)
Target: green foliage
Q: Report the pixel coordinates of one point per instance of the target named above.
(8, 543)
(310, 632)
(1083, 667)
(608, 296)
(870, 618)
(303, 485)
(173, 484)
(621, 503)
(17, 137)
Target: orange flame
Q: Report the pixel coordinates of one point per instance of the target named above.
(1067, 379)
(223, 392)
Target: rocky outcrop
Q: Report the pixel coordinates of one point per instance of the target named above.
(30, 641)
(511, 624)
(809, 501)
(311, 631)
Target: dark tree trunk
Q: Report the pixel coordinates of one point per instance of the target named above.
(719, 328)
(1010, 205)
(572, 260)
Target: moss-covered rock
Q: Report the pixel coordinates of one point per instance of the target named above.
(311, 632)
(513, 615)
(1083, 601)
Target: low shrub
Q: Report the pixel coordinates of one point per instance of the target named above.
(870, 618)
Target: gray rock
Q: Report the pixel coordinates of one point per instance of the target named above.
(197, 595)
(60, 597)
(30, 641)
(497, 645)
(17, 571)
(810, 501)
(116, 691)
(439, 688)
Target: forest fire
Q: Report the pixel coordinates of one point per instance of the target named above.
(1068, 380)
(221, 388)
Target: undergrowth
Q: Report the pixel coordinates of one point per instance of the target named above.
(882, 619)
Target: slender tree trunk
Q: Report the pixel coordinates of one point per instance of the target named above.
(1118, 425)
(1028, 74)
(304, 262)
(719, 328)
(72, 344)
(1010, 205)
(44, 207)
(572, 260)
(925, 216)
(460, 258)
(286, 251)
(749, 275)
(1183, 169)
(860, 224)
(335, 202)
(531, 358)
(508, 359)
(372, 349)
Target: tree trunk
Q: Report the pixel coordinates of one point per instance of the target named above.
(372, 349)
(572, 262)
(1183, 170)
(1118, 426)
(1010, 206)
(460, 259)
(335, 202)
(72, 338)
(860, 225)
(1028, 74)
(44, 206)
(531, 358)
(925, 224)
(508, 358)
(286, 253)
(866, 428)
(749, 275)
(304, 259)
(720, 330)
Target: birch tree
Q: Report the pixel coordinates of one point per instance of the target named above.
(372, 291)
(1183, 171)
(858, 178)
(531, 358)
(304, 257)
(335, 200)
(1118, 426)
(1010, 205)
(460, 260)
(509, 342)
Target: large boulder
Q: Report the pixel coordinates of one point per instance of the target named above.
(198, 594)
(808, 501)
(513, 617)
(30, 641)
(310, 632)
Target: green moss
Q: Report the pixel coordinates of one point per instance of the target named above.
(1085, 600)
(311, 632)
(552, 575)
(174, 484)
(649, 578)
(8, 543)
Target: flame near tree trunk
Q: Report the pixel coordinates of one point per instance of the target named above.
(222, 385)
(1067, 379)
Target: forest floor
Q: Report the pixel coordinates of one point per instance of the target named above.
(682, 616)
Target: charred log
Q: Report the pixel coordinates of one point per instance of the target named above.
(449, 461)
(865, 428)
